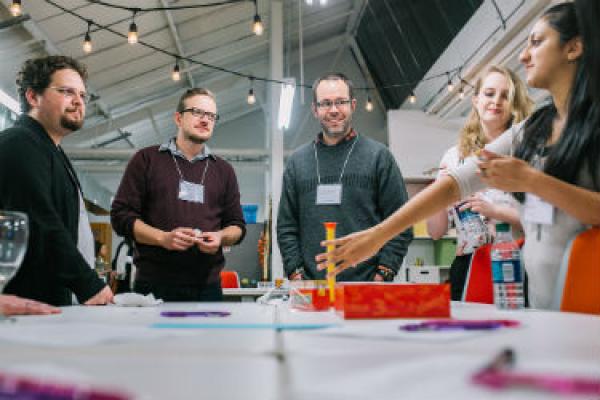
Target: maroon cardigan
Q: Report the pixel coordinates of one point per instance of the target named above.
(149, 192)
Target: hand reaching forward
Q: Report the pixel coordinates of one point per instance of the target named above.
(351, 250)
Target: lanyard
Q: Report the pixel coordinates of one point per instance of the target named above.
(181, 175)
(343, 167)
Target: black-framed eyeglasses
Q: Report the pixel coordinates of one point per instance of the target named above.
(199, 113)
(338, 103)
(70, 93)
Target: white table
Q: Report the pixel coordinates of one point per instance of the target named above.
(246, 364)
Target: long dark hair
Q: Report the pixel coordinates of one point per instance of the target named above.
(579, 143)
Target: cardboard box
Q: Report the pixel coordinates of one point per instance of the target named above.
(392, 300)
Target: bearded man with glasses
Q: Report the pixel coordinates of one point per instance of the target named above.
(341, 177)
(180, 203)
(37, 178)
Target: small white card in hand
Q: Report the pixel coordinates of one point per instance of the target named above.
(136, 300)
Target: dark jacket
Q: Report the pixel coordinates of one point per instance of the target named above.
(37, 178)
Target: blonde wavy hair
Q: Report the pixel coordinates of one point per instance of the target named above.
(520, 107)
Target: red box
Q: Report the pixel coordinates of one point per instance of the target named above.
(392, 300)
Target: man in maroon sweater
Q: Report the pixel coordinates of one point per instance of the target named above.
(181, 204)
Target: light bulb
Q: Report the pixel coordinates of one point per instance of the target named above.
(87, 43)
(257, 26)
(450, 86)
(369, 105)
(412, 98)
(461, 93)
(176, 75)
(132, 36)
(15, 8)
(251, 97)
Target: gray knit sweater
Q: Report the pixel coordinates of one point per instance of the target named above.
(373, 189)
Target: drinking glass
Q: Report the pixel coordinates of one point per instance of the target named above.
(13, 243)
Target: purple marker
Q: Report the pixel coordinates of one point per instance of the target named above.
(447, 325)
(178, 314)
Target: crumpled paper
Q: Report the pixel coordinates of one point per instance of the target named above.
(136, 300)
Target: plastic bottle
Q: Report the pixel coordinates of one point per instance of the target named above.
(472, 228)
(507, 271)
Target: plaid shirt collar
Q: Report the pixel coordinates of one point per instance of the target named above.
(351, 135)
(171, 146)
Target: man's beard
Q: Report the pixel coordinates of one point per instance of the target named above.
(194, 139)
(338, 133)
(72, 125)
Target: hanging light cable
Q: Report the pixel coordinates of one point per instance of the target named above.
(87, 41)
(15, 8)
(257, 25)
(176, 75)
(132, 36)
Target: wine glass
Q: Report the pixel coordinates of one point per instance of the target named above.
(13, 243)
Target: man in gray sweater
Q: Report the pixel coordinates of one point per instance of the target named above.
(340, 177)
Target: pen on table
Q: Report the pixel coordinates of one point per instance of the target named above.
(195, 313)
(446, 325)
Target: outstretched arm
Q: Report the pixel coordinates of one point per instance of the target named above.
(359, 246)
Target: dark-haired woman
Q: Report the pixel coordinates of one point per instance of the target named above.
(551, 162)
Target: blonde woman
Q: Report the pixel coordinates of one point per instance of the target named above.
(500, 99)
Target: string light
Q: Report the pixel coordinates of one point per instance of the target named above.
(257, 25)
(132, 36)
(461, 92)
(87, 41)
(450, 85)
(15, 8)
(369, 104)
(176, 75)
(412, 98)
(251, 97)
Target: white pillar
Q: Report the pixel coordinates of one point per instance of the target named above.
(276, 134)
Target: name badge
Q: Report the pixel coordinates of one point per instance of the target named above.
(329, 194)
(189, 191)
(537, 210)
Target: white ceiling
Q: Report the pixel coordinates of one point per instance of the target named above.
(137, 96)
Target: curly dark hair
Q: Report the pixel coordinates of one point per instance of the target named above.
(36, 73)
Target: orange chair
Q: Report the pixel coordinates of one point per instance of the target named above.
(230, 280)
(478, 285)
(578, 285)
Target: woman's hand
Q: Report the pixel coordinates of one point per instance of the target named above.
(479, 204)
(508, 174)
(350, 250)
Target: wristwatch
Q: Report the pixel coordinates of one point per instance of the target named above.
(386, 273)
